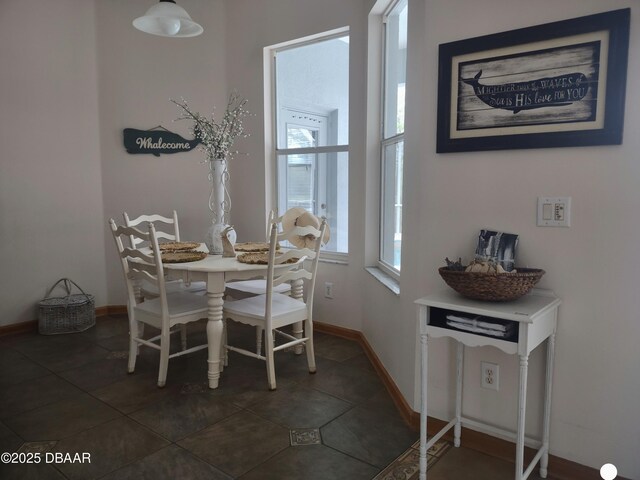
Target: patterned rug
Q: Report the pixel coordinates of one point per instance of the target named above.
(406, 466)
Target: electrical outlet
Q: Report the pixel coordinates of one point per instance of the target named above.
(328, 290)
(490, 375)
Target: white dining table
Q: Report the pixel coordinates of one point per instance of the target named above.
(216, 271)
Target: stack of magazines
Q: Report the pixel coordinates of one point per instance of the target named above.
(485, 326)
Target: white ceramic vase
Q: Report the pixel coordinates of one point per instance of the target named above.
(219, 205)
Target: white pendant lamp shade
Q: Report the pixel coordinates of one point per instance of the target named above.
(168, 20)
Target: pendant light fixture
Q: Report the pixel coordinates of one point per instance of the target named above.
(168, 20)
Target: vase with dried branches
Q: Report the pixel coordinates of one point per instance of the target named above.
(218, 139)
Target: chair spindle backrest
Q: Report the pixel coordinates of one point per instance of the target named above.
(152, 219)
(137, 265)
(302, 272)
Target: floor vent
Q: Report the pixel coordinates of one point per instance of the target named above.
(305, 436)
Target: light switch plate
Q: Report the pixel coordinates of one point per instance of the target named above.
(554, 211)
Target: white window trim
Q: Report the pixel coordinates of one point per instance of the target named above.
(337, 258)
(382, 265)
(271, 127)
(303, 150)
(385, 279)
(388, 269)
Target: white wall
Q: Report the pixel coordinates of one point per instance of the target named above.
(591, 266)
(74, 76)
(138, 75)
(51, 222)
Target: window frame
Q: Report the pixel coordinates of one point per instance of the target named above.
(382, 264)
(385, 142)
(274, 151)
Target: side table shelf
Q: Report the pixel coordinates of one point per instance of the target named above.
(531, 320)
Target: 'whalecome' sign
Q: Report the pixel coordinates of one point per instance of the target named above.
(156, 141)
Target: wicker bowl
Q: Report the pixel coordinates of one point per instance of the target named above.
(499, 287)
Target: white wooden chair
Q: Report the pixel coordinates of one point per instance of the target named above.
(272, 311)
(163, 312)
(147, 290)
(249, 288)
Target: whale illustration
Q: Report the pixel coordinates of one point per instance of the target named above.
(557, 91)
(156, 141)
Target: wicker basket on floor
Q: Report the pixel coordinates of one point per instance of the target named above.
(68, 314)
(493, 287)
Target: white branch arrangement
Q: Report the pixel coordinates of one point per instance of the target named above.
(218, 138)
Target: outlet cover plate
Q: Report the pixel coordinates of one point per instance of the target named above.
(490, 376)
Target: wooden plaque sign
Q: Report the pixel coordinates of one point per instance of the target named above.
(156, 141)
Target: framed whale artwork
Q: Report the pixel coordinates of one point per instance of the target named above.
(554, 85)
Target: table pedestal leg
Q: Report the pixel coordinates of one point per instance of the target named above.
(544, 461)
(297, 291)
(214, 332)
(522, 408)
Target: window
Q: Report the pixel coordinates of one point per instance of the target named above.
(392, 147)
(312, 132)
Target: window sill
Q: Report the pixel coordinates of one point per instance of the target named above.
(385, 279)
(334, 258)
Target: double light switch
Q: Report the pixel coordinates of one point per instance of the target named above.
(554, 211)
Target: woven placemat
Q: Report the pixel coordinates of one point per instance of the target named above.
(253, 247)
(182, 257)
(177, 246)
(259, 258)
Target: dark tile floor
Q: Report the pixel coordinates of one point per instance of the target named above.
(71, 394)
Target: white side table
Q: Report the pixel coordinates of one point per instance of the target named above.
(535, 316)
